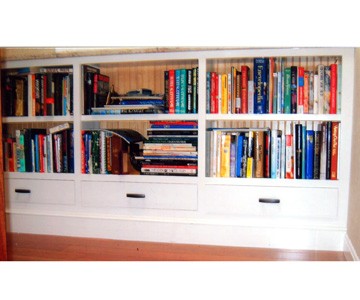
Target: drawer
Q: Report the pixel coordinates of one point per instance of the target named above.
(139, 195)
(272, 201)
(39, 191)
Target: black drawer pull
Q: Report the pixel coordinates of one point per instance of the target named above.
(269, 200)
(135, 195)
(22, 191)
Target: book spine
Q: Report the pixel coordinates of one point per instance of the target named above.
(287, 91)
(171, 92)
(328, 149)
(333, 88)
(298, 151)
(294, 83)
(300, 100)
(213, 90)
(321, 89)
(260, 82)
(327, 90)
(317, 148)
(244, 89)
(189, 91)
(259, 154)
(183, 91)
(334, 150)
(289, 157)
(224, 93)
(225, 155)
(239, 155)
(310, 154)
(166, 91)
(177, 91)
(311, 92)
(208, 92)
(195, 89)
(306, 91)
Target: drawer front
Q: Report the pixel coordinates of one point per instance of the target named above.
(272, 201)
(139, 195)
(39, 191)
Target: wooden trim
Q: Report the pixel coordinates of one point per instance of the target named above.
(3, 254)
(32, 247)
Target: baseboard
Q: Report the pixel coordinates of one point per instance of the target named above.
(349, 250)
(176, 232)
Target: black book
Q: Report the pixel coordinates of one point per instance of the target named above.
(89, 73)
(328, 149)
(298, 151)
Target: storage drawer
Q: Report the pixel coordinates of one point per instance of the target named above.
(40, 191)
(139, 195)
(272, 201)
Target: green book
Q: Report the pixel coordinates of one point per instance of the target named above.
(287, 91)
(183, 91)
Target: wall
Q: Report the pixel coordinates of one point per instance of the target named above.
(354, 205)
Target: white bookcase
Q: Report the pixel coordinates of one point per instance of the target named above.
(312, 214)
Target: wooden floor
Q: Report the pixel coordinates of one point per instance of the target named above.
(28, 247)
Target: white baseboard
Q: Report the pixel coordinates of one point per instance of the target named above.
(349, 250)
(178, 232)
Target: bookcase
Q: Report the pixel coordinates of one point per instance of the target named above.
(202, 209)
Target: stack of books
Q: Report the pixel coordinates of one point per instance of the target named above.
(171, 149)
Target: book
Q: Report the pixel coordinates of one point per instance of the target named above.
(298, 150)
(334, 150)
(293, 88)
(333, 88)
(309, 172)
(260, 85)
(259, 152)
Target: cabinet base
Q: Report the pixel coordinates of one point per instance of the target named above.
(166, 231)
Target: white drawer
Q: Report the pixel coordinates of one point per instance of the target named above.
(139, 195)
(39, 191)
(272, 201)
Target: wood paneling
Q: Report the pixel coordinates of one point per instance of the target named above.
(3, 255)
(28, 247)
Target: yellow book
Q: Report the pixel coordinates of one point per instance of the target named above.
(249, 168)
(225, 155)
(224, 94)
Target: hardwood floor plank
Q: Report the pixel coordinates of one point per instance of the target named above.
(29, 247)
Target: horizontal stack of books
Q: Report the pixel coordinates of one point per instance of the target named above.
(171, 149)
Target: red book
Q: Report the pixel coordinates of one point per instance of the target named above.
(334, 150)
(333, 88)
(171, 91)
(244, 89)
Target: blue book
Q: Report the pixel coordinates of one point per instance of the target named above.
(239, 155)
(208, 88)
(310, 154)
(261, 70)
(304, 157)
(177, 91)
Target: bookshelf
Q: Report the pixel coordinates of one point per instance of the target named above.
(201, 209)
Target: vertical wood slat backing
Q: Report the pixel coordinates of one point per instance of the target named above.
(133, 76)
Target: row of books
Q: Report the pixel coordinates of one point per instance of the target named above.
(171, 149)
(273, 87)
(181, 90)
(48, 90)
(109, 151)
(302, 151)
(39, 150)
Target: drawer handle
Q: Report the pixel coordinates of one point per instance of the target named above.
(269, 200)
(135, 195)
(22, 191)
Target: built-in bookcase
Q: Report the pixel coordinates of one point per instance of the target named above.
(206, 209)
